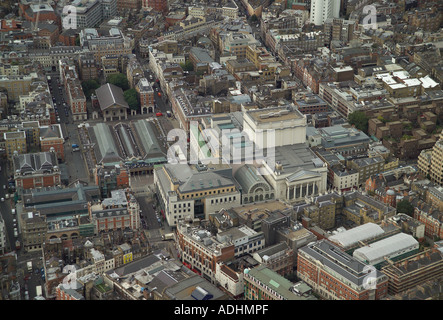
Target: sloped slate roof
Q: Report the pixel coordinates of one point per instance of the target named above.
(109, 95)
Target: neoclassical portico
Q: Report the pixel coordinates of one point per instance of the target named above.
(303, 183)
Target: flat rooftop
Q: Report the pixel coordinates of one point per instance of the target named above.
(260, 210)
(274, 114)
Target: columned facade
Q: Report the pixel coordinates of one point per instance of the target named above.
(300, 190)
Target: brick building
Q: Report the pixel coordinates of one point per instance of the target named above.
(109, 177)
(126, 5)
(432, 218)
(413, 271)
(334, 274)
(118, 212)
(52, 137)
(146, 96)
(88, 67)
(156, 5)
(279, 258)
(33, 170)
(311, 104)
(63, 293)
(200, 251)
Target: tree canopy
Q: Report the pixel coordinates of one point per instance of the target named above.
(359, 120)
(187, 66)
(119, 80)
(89, 87)
(131, 98)
(404, 206)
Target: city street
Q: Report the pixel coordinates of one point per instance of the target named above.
(29, 280)
(5, 207)
(74, 161)
(22, 258)
(160, 102)
(148, 213)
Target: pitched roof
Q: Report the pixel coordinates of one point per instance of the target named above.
(109, 95)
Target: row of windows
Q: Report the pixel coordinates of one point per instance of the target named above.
(227, 199)
(180, 211)
(180, 205)
(208, 193)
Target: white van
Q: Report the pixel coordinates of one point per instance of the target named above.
(13, 211)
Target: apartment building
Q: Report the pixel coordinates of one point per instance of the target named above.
(334, 274)
(245, 239)
(192, 26)
(33, 229)
(345, 180)
(311, 104)
(361, 209)
(146, 96)
(279, 258)
(16, 85)
(338, 97)
(434, 197)
(49, 59)
(340, 29)
(436, 167)
(236, 43)
(414, 270)
(52, 137)
(32, 130)
(87, 67)
(134, 72)
(321, 211)
(321, 10)
(424, 161)
(301, 41)
(15, 141)
(432, 219)
(366, 167)
(106, 43)
(76, 98)
(200, 251)
(428, 18)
